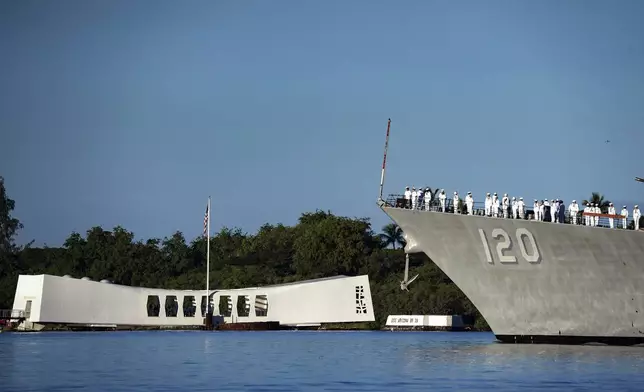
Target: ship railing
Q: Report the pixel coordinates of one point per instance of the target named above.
(11, 314)
(604, 220)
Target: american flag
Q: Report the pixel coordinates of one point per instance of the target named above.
(205, 221)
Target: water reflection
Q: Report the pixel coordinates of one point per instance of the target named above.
(235, 361)
(547, 365)
(7, 358)
(501, 354)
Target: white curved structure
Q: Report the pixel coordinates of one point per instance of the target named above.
(48, 299)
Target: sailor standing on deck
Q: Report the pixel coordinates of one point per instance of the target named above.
(414, 197)
(505, 204)
(521, 205)
(419, 198)
(625, 217)
(495, 205)
(488, 204)
(546, 210)
(586, 217)
(442, 197)
(428, 198)
(457, 201)
(535, 206)
(542, 210)
(573, 210)
(611, 211)
(515, 208)
(469, 202)
(597, 211)
(555, 211)
(636, 217)
(407, 197)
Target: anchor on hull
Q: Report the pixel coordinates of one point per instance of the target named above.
(404, 284)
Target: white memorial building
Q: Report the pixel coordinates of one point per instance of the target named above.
(55, 300)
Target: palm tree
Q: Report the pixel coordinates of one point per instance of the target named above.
(392, 235)
(599, 200)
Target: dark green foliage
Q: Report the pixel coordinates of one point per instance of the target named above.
(598, 199)
(9, 225)
(321, 244)
(392, 235)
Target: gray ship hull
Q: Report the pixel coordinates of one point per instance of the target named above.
(537, 282)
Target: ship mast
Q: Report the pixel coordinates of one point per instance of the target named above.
(404, 284)
(384, 161)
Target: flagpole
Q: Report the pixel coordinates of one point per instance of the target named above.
(208, 266)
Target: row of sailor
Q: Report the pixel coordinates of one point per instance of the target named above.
(417, 199)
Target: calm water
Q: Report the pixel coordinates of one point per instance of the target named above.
(304, 361)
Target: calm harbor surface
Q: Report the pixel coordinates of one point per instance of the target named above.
(305, 361)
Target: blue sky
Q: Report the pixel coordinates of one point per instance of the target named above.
(132, 112)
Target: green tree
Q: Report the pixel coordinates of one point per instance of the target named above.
(598, 199)
(331, 246)
(9, 225)
(321, 244)
(392, 235)
(9, 263)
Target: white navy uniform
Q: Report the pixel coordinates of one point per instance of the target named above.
(515, 208)
(495, 205)
(469, 202)
(636, 217)
(414, 198)
(442, 197)
(597, 210)
(428, 198)
(521, 205)
(407, 197)
(554, 211)
(611, 211)
(537, 214)
(573, 210)
(456, 202)
(625, 217)
(505, 205)
(488, 205)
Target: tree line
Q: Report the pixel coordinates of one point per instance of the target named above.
(321, 244)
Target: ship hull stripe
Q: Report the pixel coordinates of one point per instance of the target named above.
(571, 340)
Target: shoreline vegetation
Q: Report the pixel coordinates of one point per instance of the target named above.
(321, 244)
